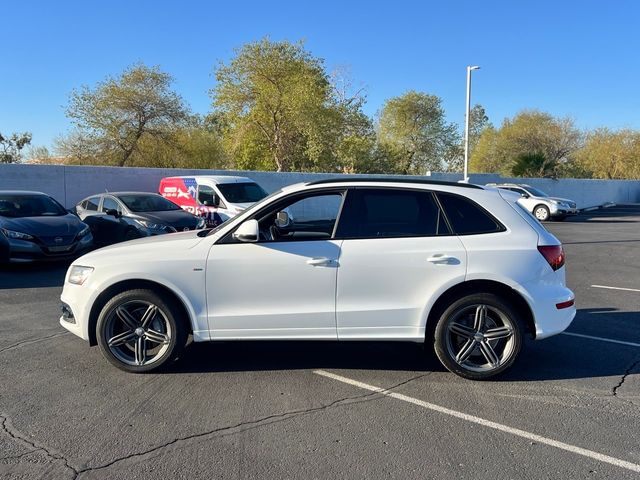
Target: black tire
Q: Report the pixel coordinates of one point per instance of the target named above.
(541, 212)
(464, 347)
(125, 340)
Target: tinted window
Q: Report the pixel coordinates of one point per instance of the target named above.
(391, 213)
(466, 217)
(242, 192)
(26, 205)
(110, 204)
(91, 204)
(537, 192)
(147, 203)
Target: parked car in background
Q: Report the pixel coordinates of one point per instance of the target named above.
(4, 248)
(543, 206)
(37, 227)
(458, 266)
(213, 197)
(119, 216)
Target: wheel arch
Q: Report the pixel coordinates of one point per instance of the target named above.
(477, 286)
(132, 284)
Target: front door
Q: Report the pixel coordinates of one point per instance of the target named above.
(283, 285)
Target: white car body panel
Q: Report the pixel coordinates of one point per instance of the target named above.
(290, 297)
(383, 284)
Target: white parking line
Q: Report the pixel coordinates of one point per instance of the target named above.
(486, 423)
(616, 288)
(610, 340)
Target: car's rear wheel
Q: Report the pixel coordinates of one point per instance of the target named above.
(478, 336)
(138, 331)
(542, 213)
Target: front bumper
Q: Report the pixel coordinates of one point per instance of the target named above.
(29, 251)
(559, 211)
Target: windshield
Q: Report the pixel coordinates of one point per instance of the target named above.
(536, 192)
(247, 192)
(29, 206)
(147, 203)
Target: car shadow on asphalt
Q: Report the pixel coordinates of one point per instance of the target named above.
(561, 357)
(32, 275)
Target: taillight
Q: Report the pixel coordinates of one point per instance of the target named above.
(554, 254)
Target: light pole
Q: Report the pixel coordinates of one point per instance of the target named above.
(466, 126)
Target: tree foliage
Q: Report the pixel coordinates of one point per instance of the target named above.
(275, 104)
(113, 119)
(413, 128)
(532, 141)
(11, 146)
(611, 154)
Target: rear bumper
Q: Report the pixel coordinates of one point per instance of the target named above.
(543, 300)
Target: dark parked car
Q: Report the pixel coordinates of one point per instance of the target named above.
(37, 227)
(118, 216)
(4, 248)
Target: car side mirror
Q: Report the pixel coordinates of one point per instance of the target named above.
(113, 212)
(283, 220)
(525, 195)
(249, 231)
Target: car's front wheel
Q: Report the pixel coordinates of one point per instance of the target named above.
(478, 336)
(138, 331)
(542, 213)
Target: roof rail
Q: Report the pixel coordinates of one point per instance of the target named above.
(394, 180)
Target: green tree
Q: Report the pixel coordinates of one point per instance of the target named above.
(611, 154)
(533, 142)
(413, 129)
(11, 146)
(275, 105)
(478, 123)
(116, 116)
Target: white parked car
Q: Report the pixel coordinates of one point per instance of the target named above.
(460, 266)
(543, 206)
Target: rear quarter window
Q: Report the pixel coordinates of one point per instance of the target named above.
(467, 217)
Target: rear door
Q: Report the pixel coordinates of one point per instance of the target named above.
(398, 252)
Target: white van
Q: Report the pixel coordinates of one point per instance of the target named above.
(214, 197)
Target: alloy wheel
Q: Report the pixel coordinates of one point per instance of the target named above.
(480, 338)
(137, 332)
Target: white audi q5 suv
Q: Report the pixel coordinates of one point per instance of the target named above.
(459, 266)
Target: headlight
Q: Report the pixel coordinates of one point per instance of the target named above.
(78, 274)
(84, 232)
(151, 225)
(18, 235)
(201, 223)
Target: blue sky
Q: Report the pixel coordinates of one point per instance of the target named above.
(578, 59)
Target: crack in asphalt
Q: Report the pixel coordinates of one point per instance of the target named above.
(8, 428)
(35, 340)
(627, 372)
(269, 419)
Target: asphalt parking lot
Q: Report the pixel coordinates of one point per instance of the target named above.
(569, 408)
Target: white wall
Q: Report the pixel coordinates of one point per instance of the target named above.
(69, 184)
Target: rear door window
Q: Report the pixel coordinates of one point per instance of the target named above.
(466, 217)
(91, 204)
(391, 213)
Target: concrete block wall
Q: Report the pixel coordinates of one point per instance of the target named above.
(70, 184)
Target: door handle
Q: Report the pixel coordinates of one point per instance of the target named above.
(321, 262)
(442, 259)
